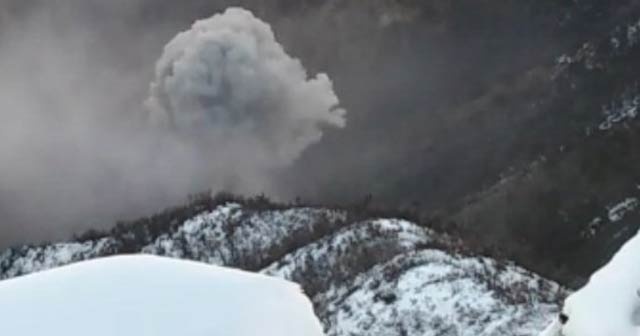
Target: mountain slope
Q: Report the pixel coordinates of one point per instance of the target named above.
(364, 276)
(430, 292)
(575, 203)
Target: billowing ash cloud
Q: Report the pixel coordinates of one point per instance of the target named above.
(228, 88)
(227, 109)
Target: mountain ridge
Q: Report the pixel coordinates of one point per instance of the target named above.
(361, 275)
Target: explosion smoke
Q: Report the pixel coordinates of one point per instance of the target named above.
(227, 88)
(227, 109)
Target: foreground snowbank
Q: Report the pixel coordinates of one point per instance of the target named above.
(609, 304)
(146, 295)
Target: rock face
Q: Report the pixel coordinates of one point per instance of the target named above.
(364, 276)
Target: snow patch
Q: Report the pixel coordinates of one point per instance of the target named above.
(618, 211)
(624, 109)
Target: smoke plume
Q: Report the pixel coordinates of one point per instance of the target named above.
(226, 109)
(228, 90)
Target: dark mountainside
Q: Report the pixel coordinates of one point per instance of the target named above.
(508, 123)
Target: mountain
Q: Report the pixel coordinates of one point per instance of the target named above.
(510, 123)
(575, 203)
(152, 296)
(365, 274)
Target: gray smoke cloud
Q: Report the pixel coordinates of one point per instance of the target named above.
(227, 89)
(227, 109)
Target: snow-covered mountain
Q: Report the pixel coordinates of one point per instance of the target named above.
(365, 276)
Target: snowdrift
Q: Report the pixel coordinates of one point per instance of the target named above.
(153, 296)
(609, 304)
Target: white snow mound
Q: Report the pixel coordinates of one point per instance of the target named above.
(609, 304)
(147, 295)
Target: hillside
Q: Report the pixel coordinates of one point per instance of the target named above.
(364, 275)
(510, 123)
(576, 201)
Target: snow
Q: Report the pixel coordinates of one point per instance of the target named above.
(618, 211)
(623, 109)
(431, 293)
(593, 227)
(348, 252)
(609, 303)
(28, 260)
(633, 34)
(586, 56)
(230, 235)
(614, 213)
(625, 37)
(148, 295)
